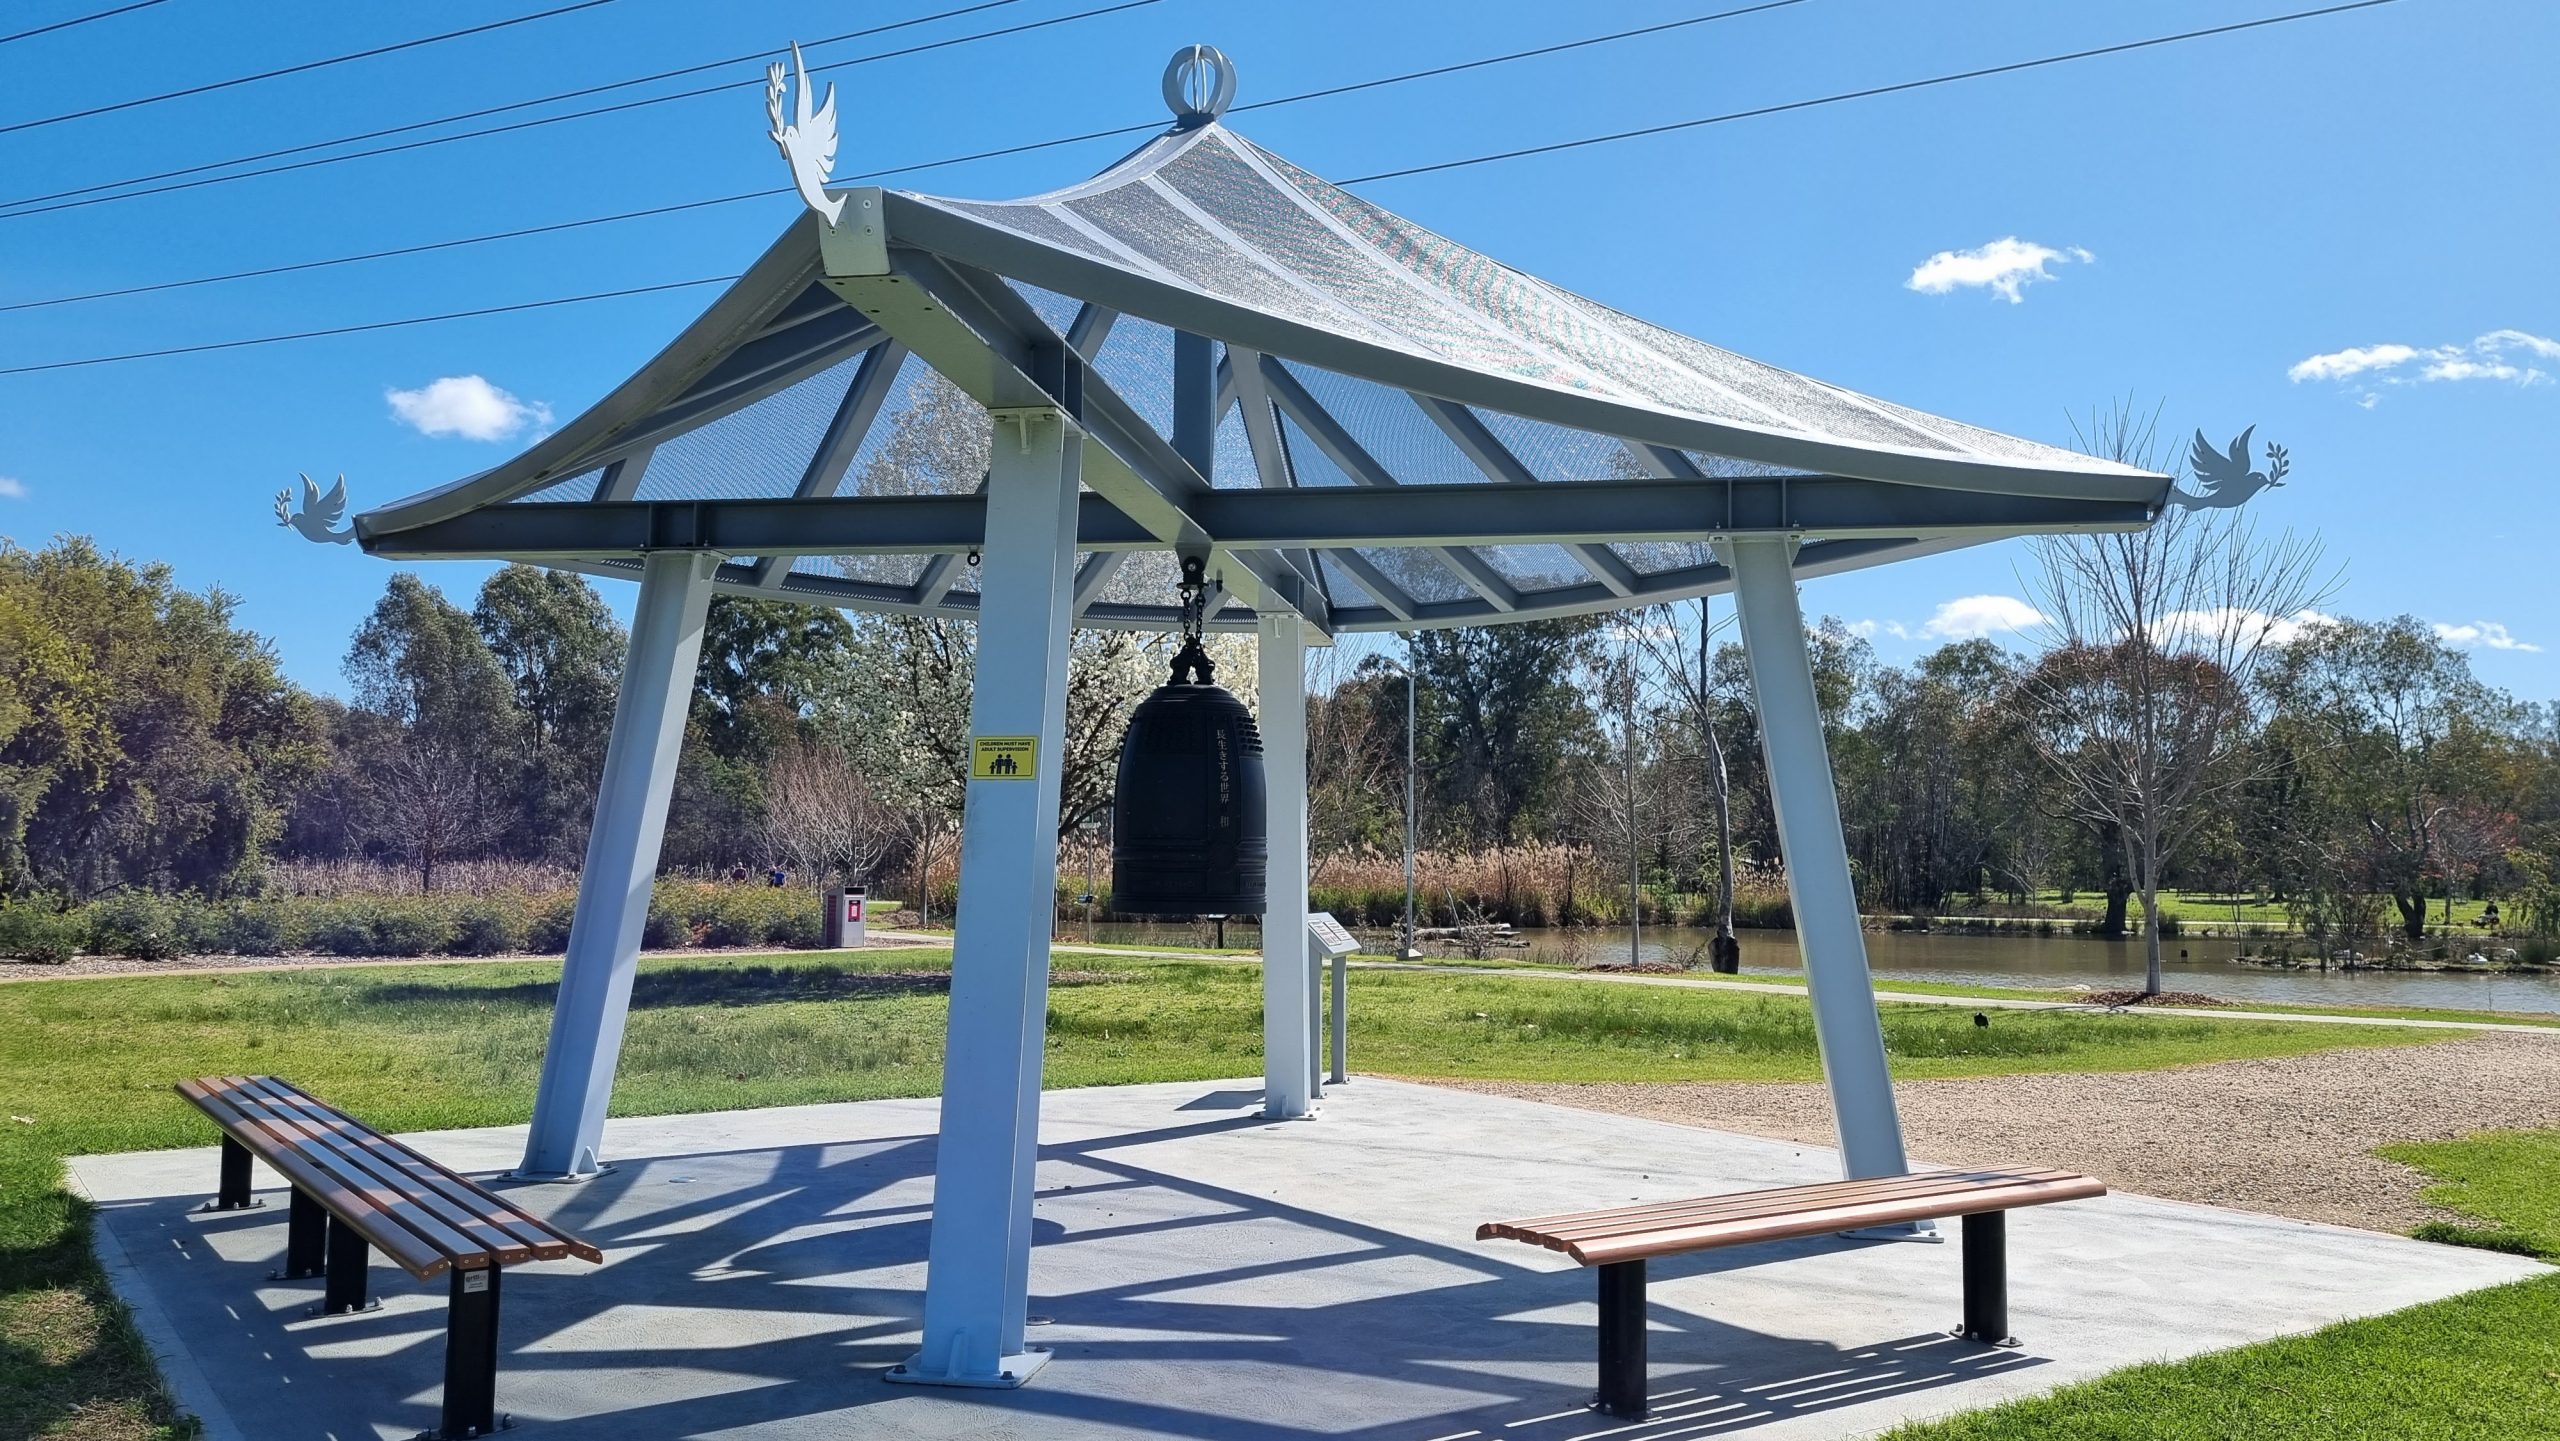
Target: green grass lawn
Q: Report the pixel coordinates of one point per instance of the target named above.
(2208, 908)
(86, 1066)
(2481, 1367)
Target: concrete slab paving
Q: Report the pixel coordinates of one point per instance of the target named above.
(1204, 1273)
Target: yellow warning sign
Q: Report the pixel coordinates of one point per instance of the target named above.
(1004, 758)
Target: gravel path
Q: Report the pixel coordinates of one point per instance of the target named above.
(2293, 1136)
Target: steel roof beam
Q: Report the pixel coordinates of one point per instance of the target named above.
(1345, 450)
(1485, 450)
(985, 338)
(1253, 524)
(841, 442)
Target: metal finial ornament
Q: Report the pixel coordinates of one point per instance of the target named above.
(319, 512)
(2226, 478)
(1199, 85)
(809, 140)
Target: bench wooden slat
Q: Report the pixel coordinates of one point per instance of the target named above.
(424, 1217)
(376, 1206)
(1630, 1233)
(345, 1138)
(546, 1241)
(406, 1250)
(1743, 1205)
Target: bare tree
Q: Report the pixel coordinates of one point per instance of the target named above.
(430, 802)
(2142, 705)
(823, 816)
(1614, 800)
(1690, 676)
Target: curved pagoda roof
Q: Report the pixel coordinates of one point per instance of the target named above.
(1388, 429)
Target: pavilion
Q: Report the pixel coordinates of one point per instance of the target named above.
(1021, 413)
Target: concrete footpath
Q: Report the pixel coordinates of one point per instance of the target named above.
(1203, 1273)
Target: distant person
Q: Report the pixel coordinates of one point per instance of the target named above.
(738, 874)
(2488, 916)
(777, 878)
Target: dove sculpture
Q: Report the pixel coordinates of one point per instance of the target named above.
(2225, 477)
(319, 512)
(809, 141)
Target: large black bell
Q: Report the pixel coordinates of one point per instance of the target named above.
(1187, 836)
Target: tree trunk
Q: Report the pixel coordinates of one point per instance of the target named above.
(2118, 893)
(2150, 941)
(2413, 914)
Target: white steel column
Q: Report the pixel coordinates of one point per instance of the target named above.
(1817, 857)
(1288, 983)
(621, 864)
(978, 1264)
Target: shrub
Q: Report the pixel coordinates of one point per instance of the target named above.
(34, 929)
(490, 927)
(546, 928)
(136, 924)
(668, 926)
(340, 928)
(405, 927)
(248, 928)
(800, 927)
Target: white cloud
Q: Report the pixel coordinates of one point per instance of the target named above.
(2487, 634)
(2493, 356)
(12, 488)
(467, 406)
(2005, 267)
(1973, 617)
(2247, 624)
(2354, 360)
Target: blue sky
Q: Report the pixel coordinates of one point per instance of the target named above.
(2340, 231)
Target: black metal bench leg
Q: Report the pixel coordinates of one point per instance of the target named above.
(1986, 1279)
(349, 1259)
(306, 1239)
(234, 1192)
(471, 1356)
(1622, 1360)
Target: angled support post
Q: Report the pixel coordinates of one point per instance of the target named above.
(1808, 815)
(1289, 1015)
(978, 1263)
(622, 861)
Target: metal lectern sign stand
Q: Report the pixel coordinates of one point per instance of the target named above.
(1333, 942)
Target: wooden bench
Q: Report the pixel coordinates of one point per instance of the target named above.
(1619, 1241)
(356, 1191)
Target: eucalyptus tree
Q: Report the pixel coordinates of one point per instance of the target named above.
(561, 650)
(436, 791)
(2403, 745)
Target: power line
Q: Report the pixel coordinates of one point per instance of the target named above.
(482, 114)
(1141, 127)
(80, 20)
(534, 124)
(1869, 93)
(2010, 68)
(374, 325)
(303, 68)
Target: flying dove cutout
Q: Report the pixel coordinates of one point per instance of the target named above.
(809, 141)
(319, 512)
(2226, 478)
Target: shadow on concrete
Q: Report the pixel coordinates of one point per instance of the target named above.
(770, 1285)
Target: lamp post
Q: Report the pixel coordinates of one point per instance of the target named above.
(1405, 952)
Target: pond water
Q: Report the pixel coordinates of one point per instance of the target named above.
(2032, 961)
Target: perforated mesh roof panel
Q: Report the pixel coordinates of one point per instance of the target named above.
(1364, 366)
